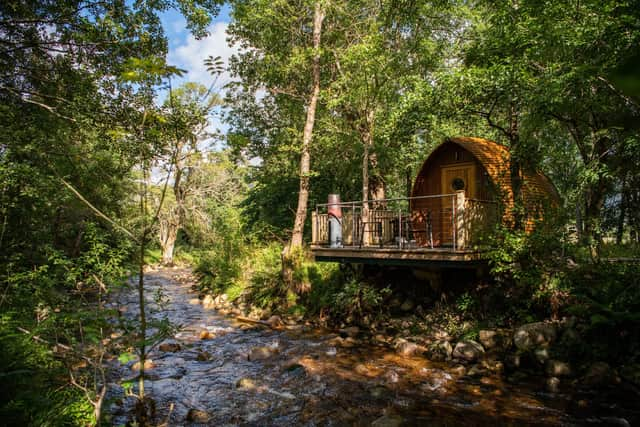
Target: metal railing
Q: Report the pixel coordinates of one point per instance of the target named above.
(434, 221)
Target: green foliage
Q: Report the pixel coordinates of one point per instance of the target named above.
(465, 303)
(356, 299)
(266, 289)
(55, 302)
(607, 299)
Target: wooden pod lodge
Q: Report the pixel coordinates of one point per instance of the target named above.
(462, 190)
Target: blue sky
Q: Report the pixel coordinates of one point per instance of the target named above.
(189, 54)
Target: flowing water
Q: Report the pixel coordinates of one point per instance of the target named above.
(243, 374)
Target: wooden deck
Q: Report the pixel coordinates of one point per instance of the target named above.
(416, 257)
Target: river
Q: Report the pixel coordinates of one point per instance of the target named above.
(226, 372)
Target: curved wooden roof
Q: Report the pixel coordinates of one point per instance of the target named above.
(536, 189)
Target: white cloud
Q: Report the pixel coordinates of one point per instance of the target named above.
(191, 55)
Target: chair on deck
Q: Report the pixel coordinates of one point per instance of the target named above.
(410, 229)
(364, 229)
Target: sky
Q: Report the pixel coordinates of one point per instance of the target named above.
(187, 53)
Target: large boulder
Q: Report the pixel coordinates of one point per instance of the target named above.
(600, 374)
(440, 351)
(534, 335)
(407, 348)
(498, 339)
(468, 350)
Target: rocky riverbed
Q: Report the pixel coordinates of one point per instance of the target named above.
(223, 369)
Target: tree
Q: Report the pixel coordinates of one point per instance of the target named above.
(283, 57)
(188, 110)
(554, 62)
(384, 48)
(68, 152)
(307, 134)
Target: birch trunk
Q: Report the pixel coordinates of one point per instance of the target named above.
(305, 159)
(366, 135)
(168, 236)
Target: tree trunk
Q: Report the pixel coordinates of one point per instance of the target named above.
(305, 159)
(376, 184)
(519, 212)
(624, 196)
(168, 236)
(595, 197)
(593, 209)
(366, 135)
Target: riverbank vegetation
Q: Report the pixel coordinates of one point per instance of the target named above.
(105, 167)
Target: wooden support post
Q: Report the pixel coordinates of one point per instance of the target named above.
(460, 231)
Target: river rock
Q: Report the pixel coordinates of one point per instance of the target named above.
(206, 335)
(388, 421)
(495, 339)
(557, 368)
(631, 373)
(532, 335)
(476, 371)
(391, 376)
(493, 365)
(407, 305)
(380, 339)
(541, 355)
(208, 301)
(148, 364)
(440, 334)
(458, 370)
(553, 384)
(395, 303)
(261, 353)
(275, 321)
(351, 331)
(600, 374)
(170, 347)
(294, 368)
(615, 421)
(379, 392)
(362, 369)
(197, 416)
(468, 350)
(203, 356)
(440, 351)
(246, 383)
(406, 348)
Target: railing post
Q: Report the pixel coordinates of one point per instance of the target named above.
(353, 224)
(314, 227)
(460, 234)
(400, 228)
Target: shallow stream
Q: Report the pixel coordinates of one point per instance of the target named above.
(244, 374)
